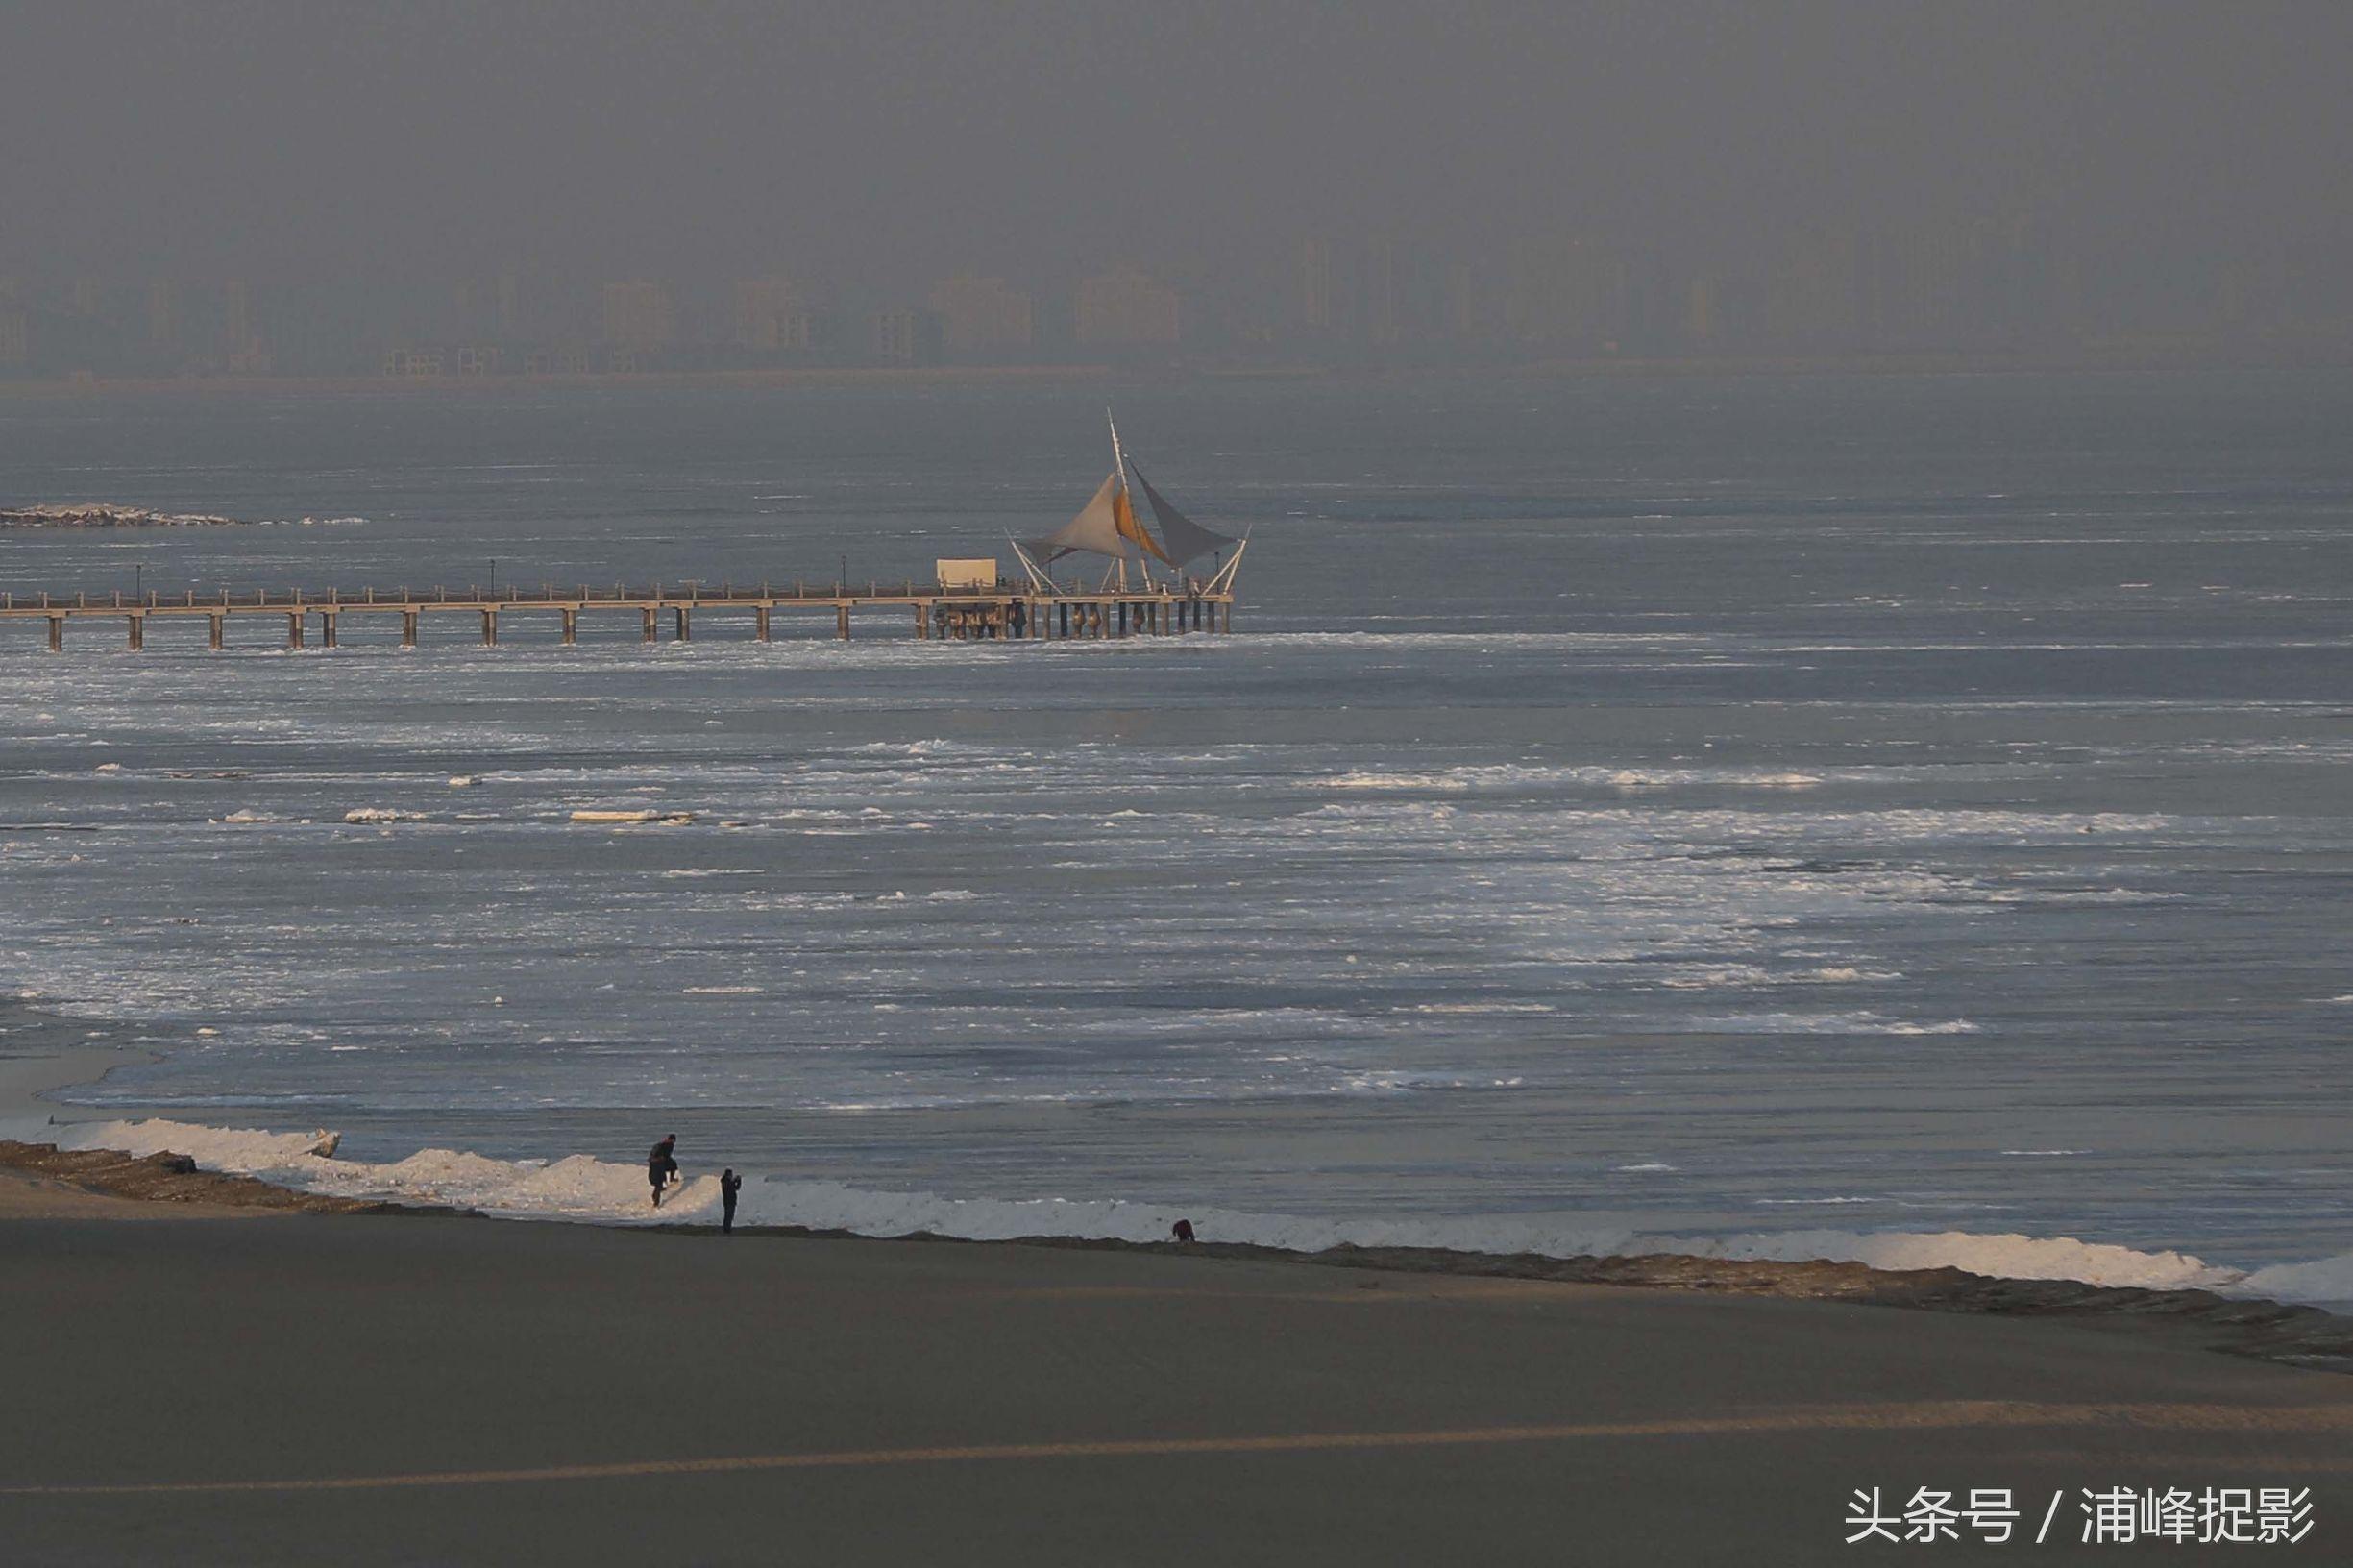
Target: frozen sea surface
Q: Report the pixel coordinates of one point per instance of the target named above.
(1708, 808)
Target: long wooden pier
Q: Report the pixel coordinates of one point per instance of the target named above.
(965, 614)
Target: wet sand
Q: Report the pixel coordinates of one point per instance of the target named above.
(388, 1390)
(33, 1069)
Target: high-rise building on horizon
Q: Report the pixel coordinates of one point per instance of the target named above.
(237, 334)
(905, 336)
(1127, 309)
(1699, 315)
(983, 317)
(162, 315)
(639, 317)
(768, 315)
(1566, 294)
(1318, 314)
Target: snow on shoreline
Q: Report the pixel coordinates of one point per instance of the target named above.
(581, 1187)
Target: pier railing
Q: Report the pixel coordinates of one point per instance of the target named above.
(546, 593)
(963, 612)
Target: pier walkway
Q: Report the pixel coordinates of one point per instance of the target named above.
(998, 613)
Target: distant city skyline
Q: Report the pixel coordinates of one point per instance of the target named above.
(2013, 285)
(248, 187)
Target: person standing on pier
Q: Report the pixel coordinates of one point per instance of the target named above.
(729, 1185)
(662, 1167)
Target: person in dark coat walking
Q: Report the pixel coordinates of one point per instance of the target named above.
(729, 1185)
(661, 1166)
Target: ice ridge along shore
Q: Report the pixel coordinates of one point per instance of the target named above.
(581, 1187)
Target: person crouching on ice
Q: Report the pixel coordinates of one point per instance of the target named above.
(662, 1167)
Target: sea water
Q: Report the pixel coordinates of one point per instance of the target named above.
(1776, 815)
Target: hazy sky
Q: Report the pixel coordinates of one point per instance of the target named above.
(298, 139)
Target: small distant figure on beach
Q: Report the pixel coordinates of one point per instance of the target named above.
(662, 1167)
(729, 1185)
(1182, 1229)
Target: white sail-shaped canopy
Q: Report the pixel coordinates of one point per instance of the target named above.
(1181, 538)
(1105, 526)
(1095, 528)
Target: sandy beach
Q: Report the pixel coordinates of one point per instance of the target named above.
(364, 1390)
(228, 1371)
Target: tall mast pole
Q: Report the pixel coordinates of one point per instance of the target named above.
(1118, 459)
